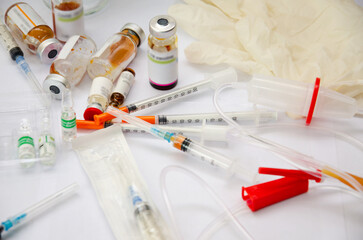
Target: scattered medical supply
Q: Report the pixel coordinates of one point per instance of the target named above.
(213, 81)
(162, 53)
(68, 118)
(67, 18)
(16, 54)
(31, 29)
(26, 149)
(300, 98)
(293, 183)
(38, 208)
(46, 142)
(185, 144)
(111, 168)
(70, 66)
(257, 117)
(107, 64)
(122, 88)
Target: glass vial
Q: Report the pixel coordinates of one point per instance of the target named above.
(67, 18)
(70, 66)
(122, 88)
(163, 53)
(68, 118)
(107, 64)
(31, 29)
(46, 142)
(26, 149)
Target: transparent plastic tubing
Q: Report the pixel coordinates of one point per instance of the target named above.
(196, 178)
(295, 158)
(36, 209)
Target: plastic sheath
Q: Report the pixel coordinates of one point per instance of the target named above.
(85, 124)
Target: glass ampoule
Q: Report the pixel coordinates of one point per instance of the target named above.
(46, 142)
(162, 53)
(106, 65)
(122, 88)
(67, 18)
(70, 66)
(26, 149)
(68, 118)
(26, 25)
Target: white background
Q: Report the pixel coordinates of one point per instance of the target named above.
(319, 214)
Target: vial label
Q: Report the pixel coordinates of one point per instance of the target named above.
(25, 17)
(101, 86)
(26, 147)
(68, 23)
(124, 83)
(46, 146)
(68, 47)
(69, 123)
(163, 67)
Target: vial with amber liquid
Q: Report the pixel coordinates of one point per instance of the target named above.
(70, 66)
(106, 65)
(26, 25)
(67, 18)
(163, 53)
(122, 88)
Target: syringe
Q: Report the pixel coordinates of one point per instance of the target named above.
(226, 76)
(31, 212)
(259, 116)
(185, 144)
(9, 43)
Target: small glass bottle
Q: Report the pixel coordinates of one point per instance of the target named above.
(67, 18)
(70, 66)
(46, 143)
(122, 88)
(107, 64)
(26, 149)
(163, 53)
(68, 118)
(31, 29)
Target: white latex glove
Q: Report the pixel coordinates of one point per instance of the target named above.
(298, 40)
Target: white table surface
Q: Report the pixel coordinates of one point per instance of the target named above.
(318, 214)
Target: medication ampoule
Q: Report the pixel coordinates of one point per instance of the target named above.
(107, 64)
(26, 149)
(67, 18)
(31, 29)
(70, 66)
(163, 53)
(46, 142)
(122, 88)
(69, 126)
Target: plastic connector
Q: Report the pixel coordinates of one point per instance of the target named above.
(294, 183)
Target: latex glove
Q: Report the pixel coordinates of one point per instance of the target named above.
(298, 40)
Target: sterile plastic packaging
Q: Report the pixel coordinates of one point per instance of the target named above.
(107, 64)
(120, 189)
(31, 29)
(70, 66)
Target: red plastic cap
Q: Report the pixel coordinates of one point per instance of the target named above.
(90, 112)
(295, 182)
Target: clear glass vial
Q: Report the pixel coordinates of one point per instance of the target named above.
(46, 142)
(67, 18)
(122, 88)
(90, 6)
(26, 149)
(31, 29)
(114, 56)
(68, 117)
(70, 66)
(163, 53)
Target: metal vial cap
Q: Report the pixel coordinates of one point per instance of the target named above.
(162, 26)
(48, 50)
(136, 29)
(55, 84)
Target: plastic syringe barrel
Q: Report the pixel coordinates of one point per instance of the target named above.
(8, 41)
(296, 97)
(225, 76)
